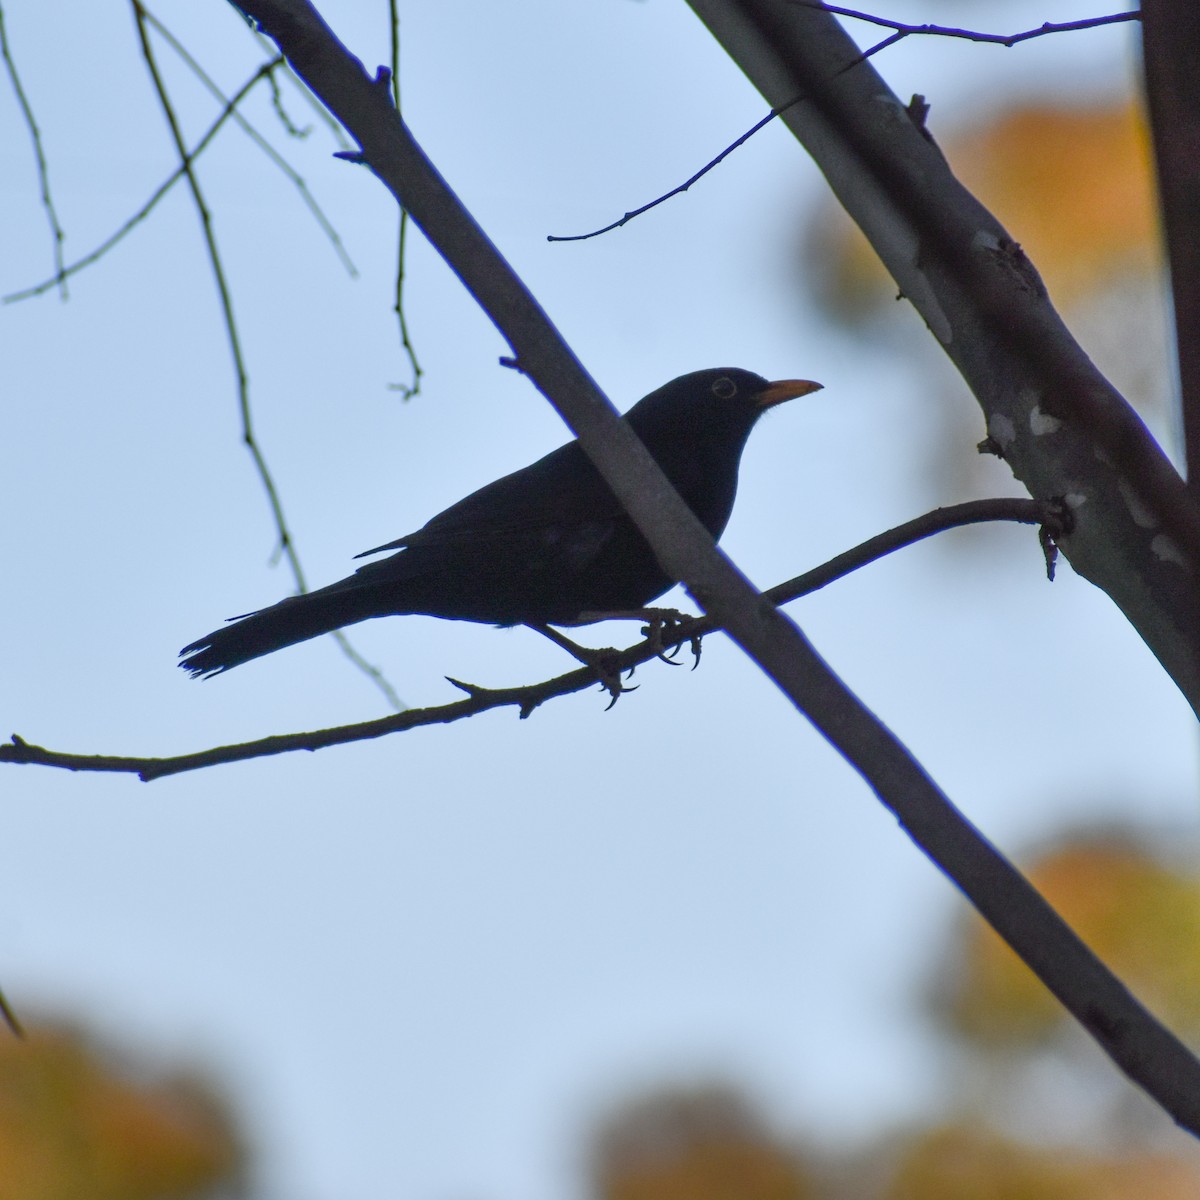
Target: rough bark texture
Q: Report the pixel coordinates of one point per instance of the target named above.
(1063, 429)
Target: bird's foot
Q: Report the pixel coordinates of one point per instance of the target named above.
(664, 623)
(661, 623)
(605, 662)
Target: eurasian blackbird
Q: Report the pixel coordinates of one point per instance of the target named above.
(546, 545)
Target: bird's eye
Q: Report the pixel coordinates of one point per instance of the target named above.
(724, 388)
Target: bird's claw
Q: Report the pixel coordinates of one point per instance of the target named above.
(616, 692)
(669, 621)
(606, 664)
(661, 620)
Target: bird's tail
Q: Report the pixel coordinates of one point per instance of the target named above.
(295, 619)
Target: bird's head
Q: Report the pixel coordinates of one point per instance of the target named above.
(723, 401)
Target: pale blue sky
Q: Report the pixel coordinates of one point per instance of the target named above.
(425, 962)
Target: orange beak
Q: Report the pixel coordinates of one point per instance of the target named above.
(785, 389)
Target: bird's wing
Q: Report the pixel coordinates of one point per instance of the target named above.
(562, 489)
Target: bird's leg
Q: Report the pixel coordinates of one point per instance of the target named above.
(668, 620)
(659, 620)
(603, 662)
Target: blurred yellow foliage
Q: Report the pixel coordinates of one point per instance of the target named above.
(1141, 917)
(73, 1128)
(703, 1144)
(1073, 186)
(714, 1170)
(959, 1163)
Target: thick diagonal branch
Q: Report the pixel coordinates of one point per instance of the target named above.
(1145, 1050)
(1171, 41)
(1062, 428)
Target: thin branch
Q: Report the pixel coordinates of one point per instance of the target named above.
(528, 697)
(285, 543)
(997, 39)
(407, 390)
(1054, 518)
(296, 179)
(902, 31)
(56, 230)
(283, 117)
(57, 239)
(142, 213)
(683, 187)
(319, 110)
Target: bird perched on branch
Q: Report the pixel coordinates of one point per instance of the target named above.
(546, 545)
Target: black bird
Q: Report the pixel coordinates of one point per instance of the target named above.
(546, 545)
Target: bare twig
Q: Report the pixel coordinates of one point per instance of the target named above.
(142, 213)
(297, 180)
(997, 39)
(318, 109)
(284, 117)
(56, 230)
(285, 543)
(407, 390)
(902, 31)
(528, 697)
(683, 187)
